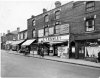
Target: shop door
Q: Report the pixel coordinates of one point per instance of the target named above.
(81, 52)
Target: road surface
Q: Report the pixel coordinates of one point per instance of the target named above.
(28, 67)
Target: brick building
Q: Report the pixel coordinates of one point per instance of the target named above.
(85, 30)
(21, 38)
(3, 41)
(51, 28)
(72, 29)
(10, 37)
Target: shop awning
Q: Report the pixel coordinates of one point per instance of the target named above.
(17, 42)
(28, 42)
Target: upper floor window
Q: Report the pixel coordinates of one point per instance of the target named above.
(18, 37)
(33, 22)
(57, 14)
(90, 5)
(46, 31)
(57, 29)
(34, 33)
(51, 30)
(41, 33)
(22, 35)
(90, 24)
(25, 35)
(46, 18)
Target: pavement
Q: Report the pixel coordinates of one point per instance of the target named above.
(64, 60)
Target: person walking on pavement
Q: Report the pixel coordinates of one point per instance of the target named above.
(99, 56)
(42, 52)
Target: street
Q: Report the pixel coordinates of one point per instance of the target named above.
(21, 66)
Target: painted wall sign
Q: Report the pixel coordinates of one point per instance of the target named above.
(54, 38)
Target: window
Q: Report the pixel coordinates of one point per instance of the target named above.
(46, 31)
(90, 6)
(33, 22)
(41, 33)
(51, 30)
(57, 14)
(34, 33)
(22, 35)
(46, 18)
(58, 23)
(57, 29)
(18, 37)
(90, 24)
(25, 35)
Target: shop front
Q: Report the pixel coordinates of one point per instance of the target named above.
(30, 44)
(16, 45)
(88, 47)
(8, 45)
(56, 45)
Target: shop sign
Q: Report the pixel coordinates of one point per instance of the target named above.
(55, 38)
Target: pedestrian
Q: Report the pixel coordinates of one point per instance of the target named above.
(42, 52)
(99, 56)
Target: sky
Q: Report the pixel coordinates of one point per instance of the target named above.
(14, 13)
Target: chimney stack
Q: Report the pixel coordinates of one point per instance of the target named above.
(3, 34)
(8, 31)
(18, 29)
(57, 4)
(44, 10)
(32, 16)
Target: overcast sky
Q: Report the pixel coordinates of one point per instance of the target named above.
(14, 13)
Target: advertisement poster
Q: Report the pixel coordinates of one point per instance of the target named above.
(62, 51)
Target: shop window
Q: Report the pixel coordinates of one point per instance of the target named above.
(33, 22)
(51, 30)
(90, 6)
(90, 24)
(57, 14)
(34, 33)
(46, 31)
(46, 18)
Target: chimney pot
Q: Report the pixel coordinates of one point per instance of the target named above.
(18, 29)
(44, 10)
(8, 31)
(57, 4)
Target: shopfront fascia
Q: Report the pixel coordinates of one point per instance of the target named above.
(57, 43)
(87, 46)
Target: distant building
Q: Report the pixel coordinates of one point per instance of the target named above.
(10, 37)
(21, 37)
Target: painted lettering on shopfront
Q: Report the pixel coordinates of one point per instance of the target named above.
(57, 38)
(54, 38)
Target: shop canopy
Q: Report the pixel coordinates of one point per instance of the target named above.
(17, 42)
(28, 42)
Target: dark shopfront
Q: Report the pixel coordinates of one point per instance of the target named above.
(31, 44)
(55, 45)
(87, 47)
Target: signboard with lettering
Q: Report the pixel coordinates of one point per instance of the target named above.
(55, 38)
